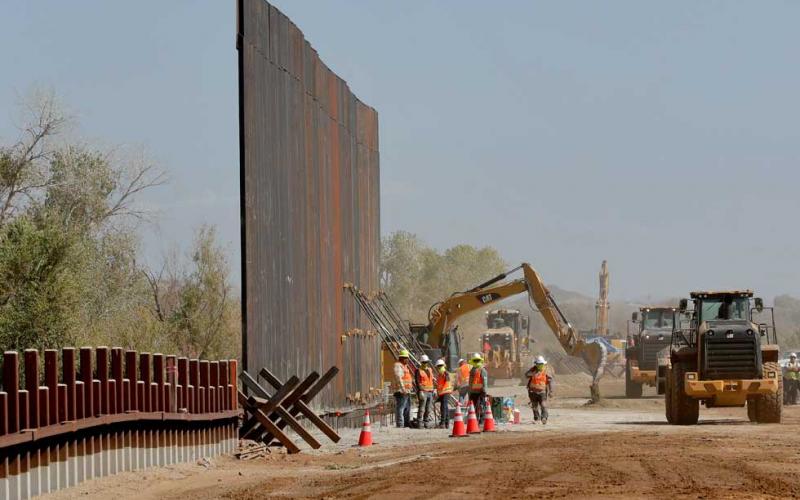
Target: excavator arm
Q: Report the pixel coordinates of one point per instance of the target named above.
(443, 314)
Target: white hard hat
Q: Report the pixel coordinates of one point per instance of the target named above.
(540, 360)
(462, 360)
(440, 362)
(424, 359)
(793, 355)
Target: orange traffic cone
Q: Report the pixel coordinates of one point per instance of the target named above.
(365, 439)
(488, 419)
(472, 421)
(459, 429)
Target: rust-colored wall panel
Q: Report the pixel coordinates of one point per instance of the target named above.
(310, 211)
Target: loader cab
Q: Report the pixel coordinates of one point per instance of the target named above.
(651, 332)
(726, 332)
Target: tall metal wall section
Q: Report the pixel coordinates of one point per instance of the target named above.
(310, 211)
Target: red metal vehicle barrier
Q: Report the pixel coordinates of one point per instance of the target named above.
(106, 411)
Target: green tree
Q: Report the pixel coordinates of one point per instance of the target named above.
(416, 276)
(37, 292)
(195, 305)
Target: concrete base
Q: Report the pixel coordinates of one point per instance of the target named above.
(39, 471)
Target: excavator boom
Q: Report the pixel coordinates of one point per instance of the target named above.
(443, 314)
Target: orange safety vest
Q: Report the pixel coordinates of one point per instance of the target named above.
(464, 378)
(407, 379)
(425, 379)
(476, 380)
(443, 385)
(538, 381)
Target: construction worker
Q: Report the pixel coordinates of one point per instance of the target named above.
(462, 381)
(444, 387)
(540, 387)
(402, 385)
(425, 391)
(792, 379)
(478, 381)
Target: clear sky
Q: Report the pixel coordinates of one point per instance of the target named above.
(661, 136)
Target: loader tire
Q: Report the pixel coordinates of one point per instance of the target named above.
(685, 410)
(632, 389)
(769, 407)
(752, 403)
(668, 401)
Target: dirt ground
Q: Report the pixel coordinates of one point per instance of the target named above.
(619, 448)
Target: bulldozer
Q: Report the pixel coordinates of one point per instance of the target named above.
(649, 332)
(504, 342)
(721, 356)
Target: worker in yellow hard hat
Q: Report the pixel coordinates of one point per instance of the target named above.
(478, 381)
(402, 386)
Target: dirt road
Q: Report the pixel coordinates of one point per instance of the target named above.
(621, 448)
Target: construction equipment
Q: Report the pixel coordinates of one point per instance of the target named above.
(442, 317)
(721, 356)
(649, 332)
(504, 342)
(601, 306)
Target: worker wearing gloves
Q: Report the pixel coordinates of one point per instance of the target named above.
(792, 379)
(402, 385)
(540, 387)
(462, 381)
(478, 381)
(425, 390)
(443, 390)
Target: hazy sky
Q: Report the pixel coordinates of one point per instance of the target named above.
(663, 137)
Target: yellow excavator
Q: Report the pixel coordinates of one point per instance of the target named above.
(442, 316)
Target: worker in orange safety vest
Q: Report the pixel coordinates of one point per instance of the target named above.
(478, 382)
(444, 387)
(402, 386)
(462, 381)
(540, 387)
(425, 381)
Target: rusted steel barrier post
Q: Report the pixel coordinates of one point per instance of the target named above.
(51, 381)
(116, 375)
(183, 382)
(86, 377)
(172, 381)
(68, 377)
(194, 382)
(223, 382)
(130, 374)
(101, 366)
(11, 385)
(144, 376)
(32, 385)
(204, 383)
(158, 380)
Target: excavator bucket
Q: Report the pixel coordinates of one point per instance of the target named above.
(595, 355)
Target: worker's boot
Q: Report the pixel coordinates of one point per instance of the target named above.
(544, 420)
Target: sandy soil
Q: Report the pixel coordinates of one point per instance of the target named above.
(619, 448)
